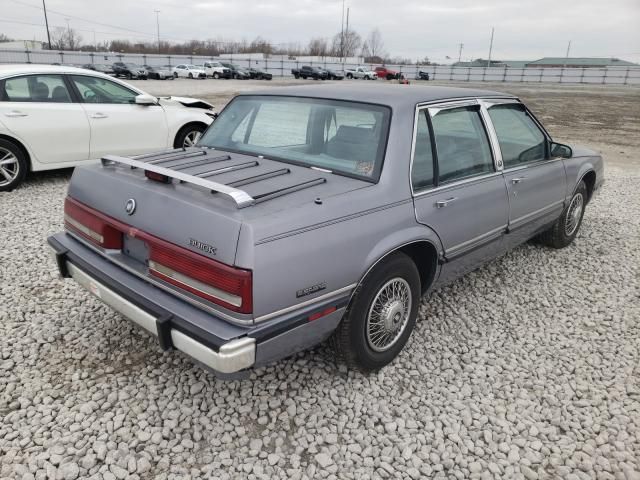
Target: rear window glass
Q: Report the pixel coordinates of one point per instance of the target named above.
(341, 136)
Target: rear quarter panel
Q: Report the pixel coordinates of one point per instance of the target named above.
(335, 255)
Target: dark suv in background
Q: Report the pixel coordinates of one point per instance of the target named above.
(129, 70)
(306, 71)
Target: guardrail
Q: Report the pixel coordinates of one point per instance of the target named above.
(281, 67)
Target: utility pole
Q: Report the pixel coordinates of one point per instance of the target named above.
(69, 35)
(490, 48)
(46, 22)
(346, 28)
(566, 57)
(461, 45)
(342, 34)
(158, 27)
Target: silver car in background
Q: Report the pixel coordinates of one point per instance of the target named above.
(305, 213)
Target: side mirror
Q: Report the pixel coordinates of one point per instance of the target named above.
(145, 99)
(561, 150)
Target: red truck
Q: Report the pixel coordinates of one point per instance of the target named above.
(384, 72)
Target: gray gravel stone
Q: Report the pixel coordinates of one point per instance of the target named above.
(523, 369)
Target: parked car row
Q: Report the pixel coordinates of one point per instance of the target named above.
(226, 70)
(319, 73)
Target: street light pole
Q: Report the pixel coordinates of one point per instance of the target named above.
(46, 21)
(460, 52)
(158, 27)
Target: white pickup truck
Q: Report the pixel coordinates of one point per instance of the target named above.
(216, 70)
(361, 72)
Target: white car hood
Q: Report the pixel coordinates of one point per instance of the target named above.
(187, 102)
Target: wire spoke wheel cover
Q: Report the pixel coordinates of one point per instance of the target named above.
(9, 167)
(389, 314)
(574, 214)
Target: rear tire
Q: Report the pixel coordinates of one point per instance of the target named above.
(13, 165)
(216, 75)
(564, 230)
(191, 75)
(188, 135)
(381, 316)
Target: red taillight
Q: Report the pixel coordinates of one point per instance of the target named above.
(202, 276)
(82, 221)
(158, 177)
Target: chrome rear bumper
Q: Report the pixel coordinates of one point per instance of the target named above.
(231, 357)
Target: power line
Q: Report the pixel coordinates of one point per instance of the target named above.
(37, 7)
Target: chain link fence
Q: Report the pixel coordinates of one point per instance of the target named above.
(281, 67)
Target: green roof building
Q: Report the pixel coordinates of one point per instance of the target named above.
(580, 62)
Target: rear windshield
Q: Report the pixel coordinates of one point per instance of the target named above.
(345, 137)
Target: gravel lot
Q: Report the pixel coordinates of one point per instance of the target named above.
(525, 369)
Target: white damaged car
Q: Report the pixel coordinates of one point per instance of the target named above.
(57, 117)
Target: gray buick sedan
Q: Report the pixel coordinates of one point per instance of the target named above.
(311, 212)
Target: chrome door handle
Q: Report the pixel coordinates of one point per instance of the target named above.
(15, 113)
(444, 203)
(99, 115)
(518, 180)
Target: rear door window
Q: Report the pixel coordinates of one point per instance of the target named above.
(422, 168)
(462, 144)
(36, 88)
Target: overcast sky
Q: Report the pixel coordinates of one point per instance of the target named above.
(524, 29)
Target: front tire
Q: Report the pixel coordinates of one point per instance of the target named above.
(188, 135)
(13, 165)
(216, 75)
(564, 230)
(381, 316)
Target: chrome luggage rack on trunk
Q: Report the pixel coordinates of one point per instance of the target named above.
(240, 197)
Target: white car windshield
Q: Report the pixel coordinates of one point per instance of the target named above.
(348, 138)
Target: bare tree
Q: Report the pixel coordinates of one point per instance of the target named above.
(4, 38)
(318, 47)
(374, 44)
(260, 45)
(65, 39)
(347, 48)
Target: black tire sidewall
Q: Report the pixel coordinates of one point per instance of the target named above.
(567, 239)
(22, 162)
(183, 132)
(397, 265)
